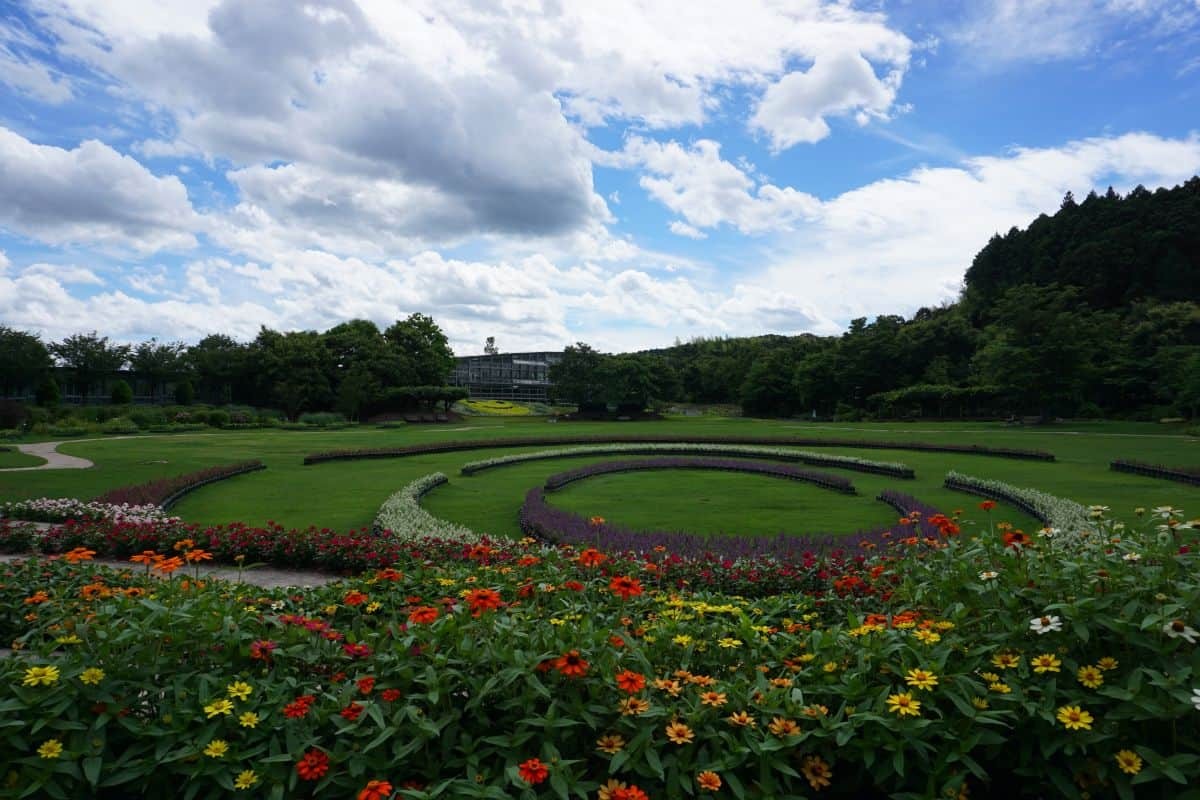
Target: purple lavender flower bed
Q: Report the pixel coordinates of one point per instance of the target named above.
(826, 481)
(543, 521)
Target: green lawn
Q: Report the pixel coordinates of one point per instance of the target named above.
(15, 458)
(346, 494)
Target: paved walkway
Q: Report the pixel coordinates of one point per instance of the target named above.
(53, 458)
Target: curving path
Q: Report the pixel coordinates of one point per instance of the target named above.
(53, 458)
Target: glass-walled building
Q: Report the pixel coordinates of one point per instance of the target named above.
(520, 377)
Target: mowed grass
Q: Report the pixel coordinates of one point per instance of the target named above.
(712, 502)
(344, 495)
(15, 458)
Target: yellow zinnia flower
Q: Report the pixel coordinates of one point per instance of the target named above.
(216, 748)
(678, 733)
(1091, 677)
(40, 676)
(92, 676)
(1075, 718)
(218, 708)
(1129, 762)
(921, 679)
(904, 704)
(239, 690)
(1046, 662)
(245, 779)
(611, 743)
(249, 719)
(51, 748)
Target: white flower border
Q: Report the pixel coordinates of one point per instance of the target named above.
(1058, 512)
(402, 515)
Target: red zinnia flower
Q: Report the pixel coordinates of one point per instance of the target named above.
(313, 765)
(1015, 538)
(988, 505)
(571, 664)
(356, 650)
(574, 586)
(533, 771)
(366, 685)
(631, 682)
(352, 712)
(261, 650)
(299, 707)
(423, 615)
(629, 793)
(355, 598)
(481, 600)
(625, 586)
(376, 790)
(390, 695)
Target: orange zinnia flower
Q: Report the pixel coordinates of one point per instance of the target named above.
(423, 615)
(481, 600)
(376, 790)
(144, 557)
(631, 682)
(168, 565)
(679, 733)
(1017, 538)
(592, 557)
(783, 727)
(79, 554)
(571, 664)
(625, 587)
(533, 771)
(354, 598)
(197, 555)
(629, 793)
(709, 781)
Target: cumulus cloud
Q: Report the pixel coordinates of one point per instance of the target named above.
(707, 191)
(65, 273)
(898, 244)
(90, 195)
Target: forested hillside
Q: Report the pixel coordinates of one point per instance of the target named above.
(1093, 309)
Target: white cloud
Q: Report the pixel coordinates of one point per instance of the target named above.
(708, 191)
(65, 273)
(897, 244)
(90, 195)
(840, 81)
(996, 33)
(683, 229)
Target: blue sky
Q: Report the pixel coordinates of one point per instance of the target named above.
(627, 173)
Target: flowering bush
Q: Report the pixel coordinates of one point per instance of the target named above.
(165, 492)
(402, 515)
(1066, 666)
(776, 453)
(779, 441)
(1056, 512)
(496, 408)
(826, 481)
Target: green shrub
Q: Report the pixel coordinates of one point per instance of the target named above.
(122, 425)
(217, 418)
(122, 394)
(184, 393)
(48, 394)
(322, 419)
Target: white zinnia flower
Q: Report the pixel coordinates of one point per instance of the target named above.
(1166, 512)
(1132, 557)
(988, 575)
(1196, 698)
(1047, 532)
(1177, 628)
(1044, 625)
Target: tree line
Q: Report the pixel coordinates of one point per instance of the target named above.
(351, 368)
(1090, 311)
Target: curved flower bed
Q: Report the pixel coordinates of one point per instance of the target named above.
(1056, 512)
(779, 441)
(572, 674)
(166, 492)
(729, 450)
(834, 482)
(543, 521)
(61, 509)
(402, 518)
(1189, 475)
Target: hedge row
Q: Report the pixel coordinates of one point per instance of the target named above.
(835, 482)
(889, 468)
(784, 441)
(1190, 475)
(166, 492)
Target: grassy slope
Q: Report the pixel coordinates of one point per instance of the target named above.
(344, 495)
